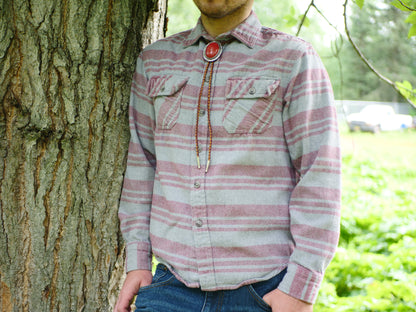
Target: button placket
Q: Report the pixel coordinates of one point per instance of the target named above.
(199, 224)
(199, 221)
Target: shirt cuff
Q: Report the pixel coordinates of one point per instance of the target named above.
(301, 283)
(138, 256)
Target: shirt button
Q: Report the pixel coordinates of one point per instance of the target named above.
(202, 113)
(197, 185)
(252, 91)
(199, 223)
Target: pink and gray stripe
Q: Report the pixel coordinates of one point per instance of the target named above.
(271, 198)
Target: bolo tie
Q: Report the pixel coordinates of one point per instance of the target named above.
(211, 53)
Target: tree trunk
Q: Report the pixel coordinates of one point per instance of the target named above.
(65, 76)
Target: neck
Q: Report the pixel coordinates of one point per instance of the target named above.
(217, 26)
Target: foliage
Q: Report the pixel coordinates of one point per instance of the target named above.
(182, 15)
(360, 3)
(408, 6)
(404, 5)
(404, 88)
(277, 14)
(407, 90)
(412, 20)
(375, 266)
(393, 58)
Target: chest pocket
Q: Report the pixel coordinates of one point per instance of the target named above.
(166, 92)
(250, 103)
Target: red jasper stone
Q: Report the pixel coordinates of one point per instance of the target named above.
(212, 50)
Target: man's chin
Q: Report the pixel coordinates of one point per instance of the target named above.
(214, 13)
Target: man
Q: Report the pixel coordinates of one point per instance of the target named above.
(233, 175)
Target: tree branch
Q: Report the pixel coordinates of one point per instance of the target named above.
(304, 17)
(354, 45)
(406, 6)
(358, 51)
(325, 18)
(366, 61)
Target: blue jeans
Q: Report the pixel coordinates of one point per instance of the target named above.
(167, 294)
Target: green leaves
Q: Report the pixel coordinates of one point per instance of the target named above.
(412, 20)
(290, 18)
(404, 5)
(293, 18)
(360, 3)
(406, 89)
(408, 6)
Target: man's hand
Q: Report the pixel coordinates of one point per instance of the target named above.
(281, 302)
(133, 282)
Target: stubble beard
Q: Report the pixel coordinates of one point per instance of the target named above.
(219, 11)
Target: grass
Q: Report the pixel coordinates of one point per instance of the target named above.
(390, 149)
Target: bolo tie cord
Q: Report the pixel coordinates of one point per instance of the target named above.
(210, 67)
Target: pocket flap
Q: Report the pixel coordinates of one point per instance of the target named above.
(238, 88)
(165, 85)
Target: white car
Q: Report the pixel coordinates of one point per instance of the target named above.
(376, 118)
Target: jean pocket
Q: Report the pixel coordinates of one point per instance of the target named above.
(161, 277)
(260, 289)
(258, 299)
(250, 103)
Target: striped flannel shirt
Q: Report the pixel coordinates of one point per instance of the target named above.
(271, 197)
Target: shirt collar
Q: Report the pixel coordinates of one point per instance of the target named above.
(247, 32)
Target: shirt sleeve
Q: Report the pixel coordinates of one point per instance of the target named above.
(312, 136)
(136, 198)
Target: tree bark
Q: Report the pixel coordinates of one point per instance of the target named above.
(65, 76)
